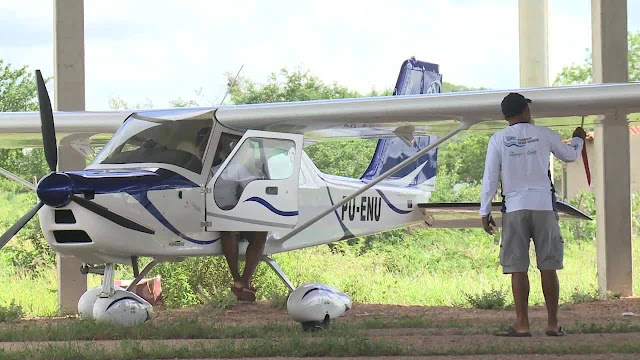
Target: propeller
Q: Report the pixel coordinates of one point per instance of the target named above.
(56, 189)
(46, 122)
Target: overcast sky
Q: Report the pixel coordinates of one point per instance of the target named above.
(157, 51)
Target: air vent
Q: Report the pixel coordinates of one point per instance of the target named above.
(71, 236)
(65, 217)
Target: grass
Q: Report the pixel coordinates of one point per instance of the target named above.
(453, 272)
(298, 346)
(194, 328)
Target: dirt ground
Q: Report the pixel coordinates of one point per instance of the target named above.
(447, 328)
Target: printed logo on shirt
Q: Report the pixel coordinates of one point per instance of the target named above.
(515, 154)
(532, 152)
(510, 141)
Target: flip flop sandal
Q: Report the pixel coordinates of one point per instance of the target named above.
(243, 294)
(511, 332)
(560, 332)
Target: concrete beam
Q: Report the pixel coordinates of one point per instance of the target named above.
(534, 42)
(69, 94)
(612, 166)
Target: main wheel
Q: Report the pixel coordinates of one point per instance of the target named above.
(317, 325)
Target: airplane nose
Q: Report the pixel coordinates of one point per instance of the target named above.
(55, 189)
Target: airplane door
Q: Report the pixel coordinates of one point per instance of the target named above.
(256, 187)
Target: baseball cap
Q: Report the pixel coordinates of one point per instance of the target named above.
(513, 104)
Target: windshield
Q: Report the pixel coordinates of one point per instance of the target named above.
(181, 143)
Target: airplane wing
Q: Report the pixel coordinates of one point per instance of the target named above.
(22, 129)
(465, 215)
(376, 117)
(430, 114)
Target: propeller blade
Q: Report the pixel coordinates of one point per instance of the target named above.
(46, 122)
(19, 225)
(110, 215)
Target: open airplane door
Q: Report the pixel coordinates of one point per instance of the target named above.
(256, 188)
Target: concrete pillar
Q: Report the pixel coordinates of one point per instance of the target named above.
(68, 35)
(612, 165)
(533, 18)
(533, 23)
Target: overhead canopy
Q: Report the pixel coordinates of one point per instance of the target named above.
(361, 117)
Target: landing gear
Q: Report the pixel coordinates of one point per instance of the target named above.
(115, 305)
(312, 305)
(312, 326)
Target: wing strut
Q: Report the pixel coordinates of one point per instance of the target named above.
(393, 170)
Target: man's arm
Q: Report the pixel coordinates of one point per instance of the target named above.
(489, 183)
(568, 152)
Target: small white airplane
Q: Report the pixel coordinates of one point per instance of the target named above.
(169, 181)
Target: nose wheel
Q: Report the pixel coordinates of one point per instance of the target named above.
(314, 326)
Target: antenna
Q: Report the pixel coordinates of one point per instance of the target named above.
(231, 86)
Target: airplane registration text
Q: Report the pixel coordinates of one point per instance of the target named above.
(365, 208)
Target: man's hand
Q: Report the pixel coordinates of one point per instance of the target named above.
(580, 133)
(487, 221)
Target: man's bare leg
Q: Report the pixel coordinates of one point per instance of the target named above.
(230, 250)
(255, 250)
(551, 290)
(520, 287)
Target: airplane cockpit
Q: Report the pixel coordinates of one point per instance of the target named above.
(180, 143)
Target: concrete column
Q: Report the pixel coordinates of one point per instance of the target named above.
(612, 155)
(68, 34)
(533, 23)
(534, 42)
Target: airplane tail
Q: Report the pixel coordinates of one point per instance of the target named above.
(415, 77)
(390, 152)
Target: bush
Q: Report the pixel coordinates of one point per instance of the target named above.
(28, 250)
(491, 299)
(11, 313)
(578, 296)
(581, 230)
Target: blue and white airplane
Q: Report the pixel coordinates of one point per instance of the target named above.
(169, 181)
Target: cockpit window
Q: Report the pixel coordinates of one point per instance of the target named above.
(181, 143)
(256, 159)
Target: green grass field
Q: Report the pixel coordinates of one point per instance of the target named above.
(447, 271)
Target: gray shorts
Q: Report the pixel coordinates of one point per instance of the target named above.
(541, 226)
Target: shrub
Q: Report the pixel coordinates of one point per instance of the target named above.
(492, 299)
(11, 313)
(579, 296)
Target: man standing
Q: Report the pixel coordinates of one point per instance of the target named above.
(520, 153)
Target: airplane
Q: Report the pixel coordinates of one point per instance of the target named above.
(168, 181)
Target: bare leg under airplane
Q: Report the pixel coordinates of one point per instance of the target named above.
(230, 250)
(255, 250)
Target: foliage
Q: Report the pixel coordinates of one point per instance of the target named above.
(11, 313)
(464, 158)
(17, 89)
(583, 74)
(342, 157)
(286, 86)
(118, 103)
(29, 250)
(449, 87)
(26, 163)
(584, 296)
(581, 230)
(494, 298)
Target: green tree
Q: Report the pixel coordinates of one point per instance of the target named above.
(18, 92)
(17, 89)
(583, 74)
(286, 86)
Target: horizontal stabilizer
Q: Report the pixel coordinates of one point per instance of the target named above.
(465, 215)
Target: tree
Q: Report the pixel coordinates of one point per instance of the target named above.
(583, 74)
(286, 86)
(17, 89)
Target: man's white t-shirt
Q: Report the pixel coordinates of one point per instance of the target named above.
(521, 151)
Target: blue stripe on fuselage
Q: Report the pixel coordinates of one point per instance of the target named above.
(137, 183)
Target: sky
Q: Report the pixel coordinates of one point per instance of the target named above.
(155, 51)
